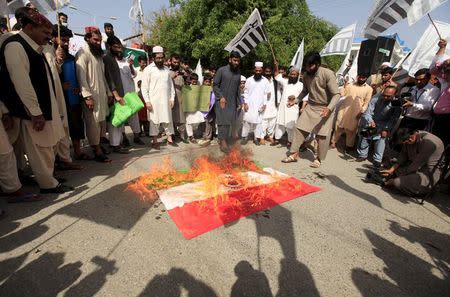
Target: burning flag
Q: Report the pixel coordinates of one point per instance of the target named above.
(216, 192)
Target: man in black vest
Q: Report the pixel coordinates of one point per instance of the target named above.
(28, 92)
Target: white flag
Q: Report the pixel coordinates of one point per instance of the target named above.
(250, 35)
(199, 72)
(297, 60)
(419, 8)
(341, 43)
(4, 10)
(422, 56)
(388, 12)
(136, 12)
(43, 6)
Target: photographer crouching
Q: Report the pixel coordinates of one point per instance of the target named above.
(416, 170)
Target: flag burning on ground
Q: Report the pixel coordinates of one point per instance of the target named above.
(216, 191)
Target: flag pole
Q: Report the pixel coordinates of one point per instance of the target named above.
(270, 44)
(435, 27)
(271, 49)
(57, 22)
(8, 23)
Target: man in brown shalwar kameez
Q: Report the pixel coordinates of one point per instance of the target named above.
(416, 170)
(356, 99)
(179, 121)
(322, 90)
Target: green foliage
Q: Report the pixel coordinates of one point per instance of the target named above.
(202, 28)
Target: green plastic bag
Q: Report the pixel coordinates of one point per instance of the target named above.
(120, 114)
(133, 101)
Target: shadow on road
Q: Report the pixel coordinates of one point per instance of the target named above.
(409, 275)
(46, 276)
(171, 284)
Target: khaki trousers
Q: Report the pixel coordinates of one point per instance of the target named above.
(300, 137)
(9, 180)
(154, 128)
(41, 159)
(350, 136)
(93, 128)
(63, 147)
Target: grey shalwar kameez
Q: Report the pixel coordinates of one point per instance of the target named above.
(226, 84)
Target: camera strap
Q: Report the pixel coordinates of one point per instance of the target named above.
(416, 99)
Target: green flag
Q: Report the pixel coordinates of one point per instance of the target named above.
(134, 53)
(196, 98)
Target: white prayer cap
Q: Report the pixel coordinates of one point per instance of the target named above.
(386, 64)
(243, 78)
(27, 2)
(157, 49)
(259, 64)
(293, 68)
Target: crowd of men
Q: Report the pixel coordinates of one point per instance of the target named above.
(52, 100)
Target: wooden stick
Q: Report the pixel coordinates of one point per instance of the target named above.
(8, 23)
(435, 27)
(57, 22)
(134, 36)
(271, 49)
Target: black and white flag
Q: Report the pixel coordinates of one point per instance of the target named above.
(251, 34)
(341, 43)
(388, 12)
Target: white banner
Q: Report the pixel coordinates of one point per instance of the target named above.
(420, 8)
(136, 12)
(426, 48)
(297, 60)
(199, 72)
(341, 43)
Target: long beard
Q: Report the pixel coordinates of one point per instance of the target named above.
(292, 80)
(175, 68)
(119, 55)
(360, 82)
(160, 65)
(234, 68)
(95, 50)
(257, 77)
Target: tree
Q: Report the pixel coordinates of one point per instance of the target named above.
(202, 28)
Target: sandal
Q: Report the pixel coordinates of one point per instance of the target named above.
(69, 166)
(83, 157)
(315, 164)
(25, 197)
(102, 159)
(289, 159)
(3, 214)
(105, 150)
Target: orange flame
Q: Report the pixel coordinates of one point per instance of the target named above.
(214, 173)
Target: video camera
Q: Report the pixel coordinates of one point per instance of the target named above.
(374, 176)
(399, 101)
(368, 132)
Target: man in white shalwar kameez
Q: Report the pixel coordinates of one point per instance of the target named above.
(256, 93)
(269, 117)
(159, 95)
(287, 116)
